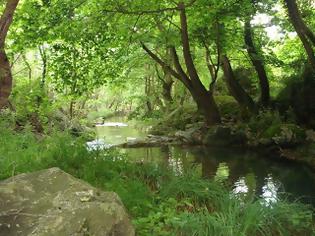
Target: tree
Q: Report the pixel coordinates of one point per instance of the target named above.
(236, 90)
(203, 98)
(5, 68)
(257, 63)
(305, 34)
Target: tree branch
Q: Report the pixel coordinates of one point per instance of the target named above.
(186, 45)
(160, 61)
(179, 68)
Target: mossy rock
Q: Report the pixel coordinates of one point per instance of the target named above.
(52, 202)
(284, 134)
(225, 136)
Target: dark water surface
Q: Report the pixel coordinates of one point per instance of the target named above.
(250, 173)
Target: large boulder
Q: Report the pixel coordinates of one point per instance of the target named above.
(52, 202)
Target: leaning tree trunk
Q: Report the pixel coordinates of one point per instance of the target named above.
(236, 90)
(258, 64)
(5, 68)
(203, 98)
(305, 34)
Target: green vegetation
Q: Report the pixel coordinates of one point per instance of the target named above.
(227, 60)
(159, 202)
(207, 72)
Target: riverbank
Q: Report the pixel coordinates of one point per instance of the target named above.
(276, 138)
(161, 202)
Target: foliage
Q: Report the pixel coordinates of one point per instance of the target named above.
(263, 121)
(176, 119)
(86, 56)
(228, 106)
(78, 46)
(30, 98)
(160, 202)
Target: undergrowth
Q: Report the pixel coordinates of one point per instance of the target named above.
(159, 202)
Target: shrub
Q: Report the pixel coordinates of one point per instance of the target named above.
(160, 202)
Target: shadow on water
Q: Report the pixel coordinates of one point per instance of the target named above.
(250, 173)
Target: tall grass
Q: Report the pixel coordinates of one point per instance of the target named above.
(159, 202)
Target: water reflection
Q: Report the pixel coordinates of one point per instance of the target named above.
(223, 172)
(97, 144)
(270, 190)
(245, 187)
(115, 133)
(240, 188)
(112, 124)
(176, 165)
(249, 173)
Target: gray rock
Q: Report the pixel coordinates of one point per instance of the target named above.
(52, 202)
(149, 141)
(192, 135)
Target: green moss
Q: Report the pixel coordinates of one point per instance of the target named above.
(228, 106)
(292, 131)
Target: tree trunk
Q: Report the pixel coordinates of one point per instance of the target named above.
(203, 98)
(305, 34)
(5, 79)
(148, 93)
(29, 68)
(167, 84)
(5, 68)
(208, 107)
(42, 52)
(71, 109)
(236, 90)
(167, 92)
(258, 64)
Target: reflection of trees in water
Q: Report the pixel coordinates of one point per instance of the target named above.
(175, 159)
(245, 187)
(270, 190)
(242, 170)
(246, 172)
(222, 173)
(209, 167)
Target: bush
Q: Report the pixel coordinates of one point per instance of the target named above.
(263, 121)
(160, 202)
(229, 108)
(177, 119)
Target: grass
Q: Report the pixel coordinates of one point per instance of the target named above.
(159, 202)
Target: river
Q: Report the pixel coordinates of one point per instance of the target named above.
(249, 173)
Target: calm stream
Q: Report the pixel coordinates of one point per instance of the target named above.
(248, 172)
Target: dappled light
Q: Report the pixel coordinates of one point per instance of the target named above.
(157, 117)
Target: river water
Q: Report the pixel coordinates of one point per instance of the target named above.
(249, 173)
